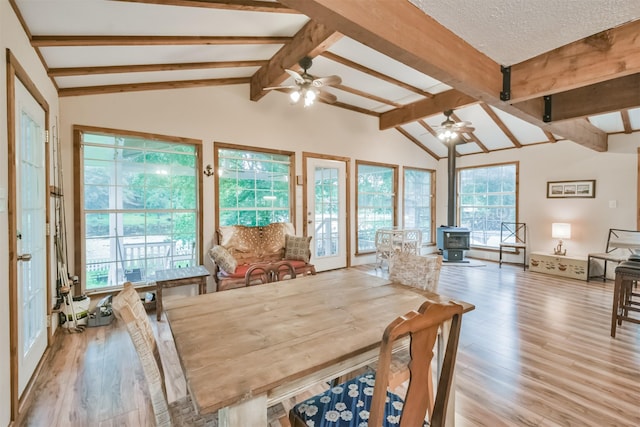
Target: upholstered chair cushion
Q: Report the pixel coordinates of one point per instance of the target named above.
(332, 408)
(249, 243)
(297, 248)
(223, 259)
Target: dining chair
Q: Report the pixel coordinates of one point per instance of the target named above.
(419, 271)
(384, 246)
(365, 400)
(269, 272)
(128, 308)
(513, 235)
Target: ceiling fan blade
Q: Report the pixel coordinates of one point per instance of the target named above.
(296, 76)
(279, 87)
(327, 81)
(327, 97)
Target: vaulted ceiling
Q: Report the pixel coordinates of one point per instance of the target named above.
(523, 72)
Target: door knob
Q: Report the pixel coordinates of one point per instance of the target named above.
(24, 257)
(309, 222)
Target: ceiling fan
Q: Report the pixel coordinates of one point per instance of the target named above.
(307, 87)
(450, 130)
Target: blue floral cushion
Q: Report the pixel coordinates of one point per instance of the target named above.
(347, 405)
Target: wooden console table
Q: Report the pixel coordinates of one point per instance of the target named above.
(179, 277)
(559, 265)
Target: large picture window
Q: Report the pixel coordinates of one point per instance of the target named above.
(487, 197)
(376, 201)
(255, 186)
(139, 208)
(419, 201)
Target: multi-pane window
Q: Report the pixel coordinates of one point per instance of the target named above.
(487, 197)
(254, 187)
(419, 195)
(376, 203)
(139, 207)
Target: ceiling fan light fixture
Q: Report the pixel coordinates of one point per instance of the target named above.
(309, 97)
(294, 96)
(447, 135)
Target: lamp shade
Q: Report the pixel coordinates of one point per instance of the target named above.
(561, 230)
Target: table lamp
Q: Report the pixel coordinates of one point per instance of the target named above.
(560, 230)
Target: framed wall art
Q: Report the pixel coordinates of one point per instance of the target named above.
(571, 189)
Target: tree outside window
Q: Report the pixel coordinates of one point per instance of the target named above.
(140, 207)
(254, 187)
(376, 201)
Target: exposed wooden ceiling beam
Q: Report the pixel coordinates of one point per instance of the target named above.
(428, 128)
(367, 95)
(424, 108)
(249, 5)
(472, 136)
(604, 56)
(498, 121)
(83, 71)
(51, 41)
(310, 41)
(605, 97)
(418, 143)
(551, 136)
(344, 61)
(626, 121)
(399, 30)
(135, 87)
(354, 108)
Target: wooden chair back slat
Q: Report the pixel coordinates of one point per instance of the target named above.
(128, 307)
(422, 328)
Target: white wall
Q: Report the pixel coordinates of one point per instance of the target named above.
(12, 37)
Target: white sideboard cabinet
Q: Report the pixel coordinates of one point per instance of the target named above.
(559, 265)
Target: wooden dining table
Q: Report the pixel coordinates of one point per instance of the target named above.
(246, 349)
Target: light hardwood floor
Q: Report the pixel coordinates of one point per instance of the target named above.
(535, 352)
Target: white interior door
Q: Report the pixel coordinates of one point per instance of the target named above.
(326, 214)
(31, 233)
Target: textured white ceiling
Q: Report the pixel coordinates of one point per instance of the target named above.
(510, 31)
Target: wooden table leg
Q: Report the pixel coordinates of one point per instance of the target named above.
(249, 413)
(158, 300)
(616, 304)
(450, 419)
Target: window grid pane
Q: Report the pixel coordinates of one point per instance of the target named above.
(375, 203)
(487, 197)
(418, 194)
(140, 208)
(254, 187)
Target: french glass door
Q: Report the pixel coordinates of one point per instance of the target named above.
(30, 205)
(326, 213)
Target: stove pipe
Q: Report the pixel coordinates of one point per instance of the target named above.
(451, 182)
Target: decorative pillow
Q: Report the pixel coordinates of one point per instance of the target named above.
(297, 248)
(223, 259)
(273, 238)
